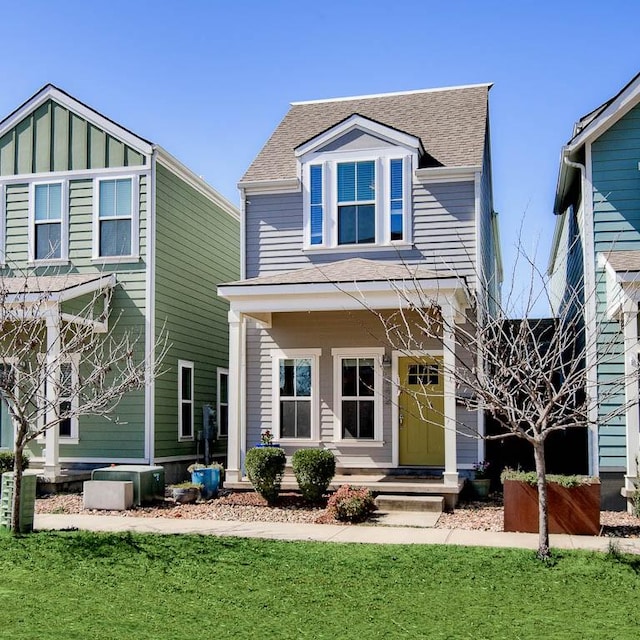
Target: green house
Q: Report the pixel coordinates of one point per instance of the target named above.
(86, 205)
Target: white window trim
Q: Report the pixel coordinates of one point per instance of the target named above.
(186, 364)
(64, 225)
(220, 373)
(309, 354)
(135, 220)
(339, 354)
(329, 161)
(74, 438)
(3, 224)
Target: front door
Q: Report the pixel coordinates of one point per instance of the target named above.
(421, 411)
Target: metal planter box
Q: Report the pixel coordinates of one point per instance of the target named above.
(148, 482)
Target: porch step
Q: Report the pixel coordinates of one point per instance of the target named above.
(390, 502)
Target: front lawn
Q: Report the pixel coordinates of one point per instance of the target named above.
(69, 585)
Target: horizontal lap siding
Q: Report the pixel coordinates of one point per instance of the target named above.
(197, 247)
(616, 216)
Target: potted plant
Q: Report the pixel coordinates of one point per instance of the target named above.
(481, 482)
(208, 476)
(185, 492)
(266, 439)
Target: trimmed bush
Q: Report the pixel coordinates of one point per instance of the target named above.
(265, 468)
(6, 461)
(350, 504)
(314, 469)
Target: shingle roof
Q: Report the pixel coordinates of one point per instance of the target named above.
(451, 124)
(44, 284)
(624, 261)
(352, 270)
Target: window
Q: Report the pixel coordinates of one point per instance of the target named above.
(295, 398)
(7, 381)
(48, 227)
(67, 398)
(356, 202)
(423, 374)
(223, 403)
(358, 388)
(185, 400)
(116, 231)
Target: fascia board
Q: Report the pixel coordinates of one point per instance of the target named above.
(286, 185)
(82, 289)
(52, 93)
(447, 174)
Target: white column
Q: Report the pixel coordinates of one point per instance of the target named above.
(236, 443)
(450, 440)
(51, 457)
(632, 419)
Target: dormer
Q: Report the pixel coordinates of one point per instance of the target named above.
(356, 183)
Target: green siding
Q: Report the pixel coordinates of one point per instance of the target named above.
(616, 218)
(197, 247)
(54, 139)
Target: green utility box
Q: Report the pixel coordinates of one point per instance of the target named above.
(27, 500)
(148, 482)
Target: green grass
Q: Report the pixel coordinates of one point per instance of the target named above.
(70, 585)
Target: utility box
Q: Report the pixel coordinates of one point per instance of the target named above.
(148, 482)
(27, 500)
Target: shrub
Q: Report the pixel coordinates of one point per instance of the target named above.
(6, 461)
(530, 477)
(314, 469)
(351, 504)
(265, 468)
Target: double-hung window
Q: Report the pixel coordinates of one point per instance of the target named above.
(295, 394)
(223, 403)
(116, 227)
(358, 393)
(48, 232)
(185, 400)
(356, 202)
(66, 398)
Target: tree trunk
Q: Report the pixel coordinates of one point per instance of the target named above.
(18, 451)
(543, 507)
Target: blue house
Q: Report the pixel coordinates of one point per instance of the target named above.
(596, 251)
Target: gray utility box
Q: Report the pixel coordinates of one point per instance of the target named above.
(148, 482)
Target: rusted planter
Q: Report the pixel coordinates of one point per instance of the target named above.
(574, 510)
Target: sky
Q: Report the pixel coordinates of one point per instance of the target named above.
(210, 80)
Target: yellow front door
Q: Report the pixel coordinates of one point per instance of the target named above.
(421, 411)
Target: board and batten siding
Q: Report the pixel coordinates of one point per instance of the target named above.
(326, 331)
(122, 436)
(616, 219)
(197, 248)
(443, 232)
(52, 138)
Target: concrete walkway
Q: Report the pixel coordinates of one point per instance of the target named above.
(327, 532)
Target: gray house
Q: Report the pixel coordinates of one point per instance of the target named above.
(348, 200)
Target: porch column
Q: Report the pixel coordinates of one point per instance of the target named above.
(237, 441)
(632, 419)
(450, 440)
(51, 452)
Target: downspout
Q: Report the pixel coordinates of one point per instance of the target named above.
(589, 311)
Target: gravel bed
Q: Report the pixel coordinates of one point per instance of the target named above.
(250, 507)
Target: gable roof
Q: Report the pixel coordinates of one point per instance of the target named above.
(451, 123)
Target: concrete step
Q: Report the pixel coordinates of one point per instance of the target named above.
(390, 502)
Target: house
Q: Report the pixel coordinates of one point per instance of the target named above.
(87, 205)
(596, 252)
(348, 200)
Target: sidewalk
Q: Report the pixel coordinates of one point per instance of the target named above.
(327, 532)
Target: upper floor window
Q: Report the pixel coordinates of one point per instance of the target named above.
(356, 202)
(48, 233)
(116, 218)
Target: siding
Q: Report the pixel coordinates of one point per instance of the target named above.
(616, 217)
(197, 247)
(54, 139)
(327, 330)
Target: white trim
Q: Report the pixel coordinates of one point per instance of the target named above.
(220, 371)
(397, 93)
(359, 248)
(296, 354)
(63, 222)
(272, 187)
(632, 417)
(338, 355)
(75, 174)
(243, 234)
(134, 255)
(184, 173)
(3, 224)
(101, 460)
(186, 364)
(358, 122)
(481, 290)
(447, 174)
(150, 316)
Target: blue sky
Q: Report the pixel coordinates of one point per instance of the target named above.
(209, 81)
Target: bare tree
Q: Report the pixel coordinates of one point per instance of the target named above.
(528, 374)
(62, 357)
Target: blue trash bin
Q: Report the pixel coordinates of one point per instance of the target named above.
(210, 481)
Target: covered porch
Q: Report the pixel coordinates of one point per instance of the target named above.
(324, 321)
